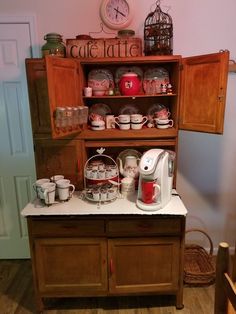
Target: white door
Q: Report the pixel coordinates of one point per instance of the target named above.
(17, 169)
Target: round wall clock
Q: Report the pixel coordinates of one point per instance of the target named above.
(116, 14)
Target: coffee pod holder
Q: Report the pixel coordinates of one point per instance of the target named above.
(101, 178)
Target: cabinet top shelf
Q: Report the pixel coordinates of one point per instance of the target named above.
(130, 97)
(142, 59)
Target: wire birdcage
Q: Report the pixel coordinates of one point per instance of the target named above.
(158, 33)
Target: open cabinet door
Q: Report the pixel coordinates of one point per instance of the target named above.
(63, 91)
(203, 92)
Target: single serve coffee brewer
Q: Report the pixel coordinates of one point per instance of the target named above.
(156, 171)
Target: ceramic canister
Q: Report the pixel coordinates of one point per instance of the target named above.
(129, 84)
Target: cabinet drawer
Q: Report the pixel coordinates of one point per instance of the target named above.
(141, 227)
(67, 228)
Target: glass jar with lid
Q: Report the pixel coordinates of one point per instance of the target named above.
(54, 45)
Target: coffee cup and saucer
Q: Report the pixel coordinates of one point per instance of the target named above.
(97, 125)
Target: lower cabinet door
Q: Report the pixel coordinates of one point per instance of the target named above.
(71, 267)
(143, 265)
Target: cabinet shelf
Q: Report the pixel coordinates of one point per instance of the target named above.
(145, 133)
(129, 97)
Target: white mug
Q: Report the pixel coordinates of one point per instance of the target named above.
(110, 121)
(37, 187)
(88, 91)
(48, 190)
(101, 174)
(127, 186)
(123, 121)
(137, 121)
(164, 123)
(103, 194)
(94, 174)
(96, 195)
(65, 189)
(57, 177)
(111, 193)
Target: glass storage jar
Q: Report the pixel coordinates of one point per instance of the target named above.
(54, 45)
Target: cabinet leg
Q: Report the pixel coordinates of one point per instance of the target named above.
(39, 305)
(179, 300)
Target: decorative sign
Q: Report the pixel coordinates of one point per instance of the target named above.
(104, 48)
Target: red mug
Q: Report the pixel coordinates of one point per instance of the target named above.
(150, 191)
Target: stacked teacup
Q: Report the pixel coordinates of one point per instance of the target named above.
(162, 120)
(133, 121)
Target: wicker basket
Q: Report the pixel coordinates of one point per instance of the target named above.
(199, 268)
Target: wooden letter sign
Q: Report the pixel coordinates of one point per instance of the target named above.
(103, 48)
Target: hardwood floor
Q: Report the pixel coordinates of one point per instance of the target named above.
(17, 297)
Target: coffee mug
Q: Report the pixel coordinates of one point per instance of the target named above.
(48, 190)
(137, 121)
(111, 193)
(164, 123)
(123, 121)
(37, 187)
(101, 174)
(88, 91)
(65, 189)
(96, 195)
(110, 121)
(127, 186)
(57, 177)
(103, 194)
(150, 191)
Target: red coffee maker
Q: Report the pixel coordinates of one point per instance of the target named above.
(156, 170)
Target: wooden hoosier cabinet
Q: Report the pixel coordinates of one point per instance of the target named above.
(103, 254)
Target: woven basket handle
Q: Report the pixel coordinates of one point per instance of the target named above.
(201, 231)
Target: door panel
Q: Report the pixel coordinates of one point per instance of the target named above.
(143, 265)
(17, 170)
(38, 96)
(63, 89)
(75, 266)
(203, 92)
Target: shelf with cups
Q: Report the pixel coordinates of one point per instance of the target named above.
(144, 133)
(130, 96)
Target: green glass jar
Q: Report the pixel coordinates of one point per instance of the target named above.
(54, 45)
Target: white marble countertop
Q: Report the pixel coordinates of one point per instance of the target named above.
(121, 206)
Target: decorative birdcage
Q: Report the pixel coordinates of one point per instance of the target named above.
(158, 33)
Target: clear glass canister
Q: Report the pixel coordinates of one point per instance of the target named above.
(54, 45)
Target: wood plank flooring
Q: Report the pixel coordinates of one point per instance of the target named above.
(17, 297)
